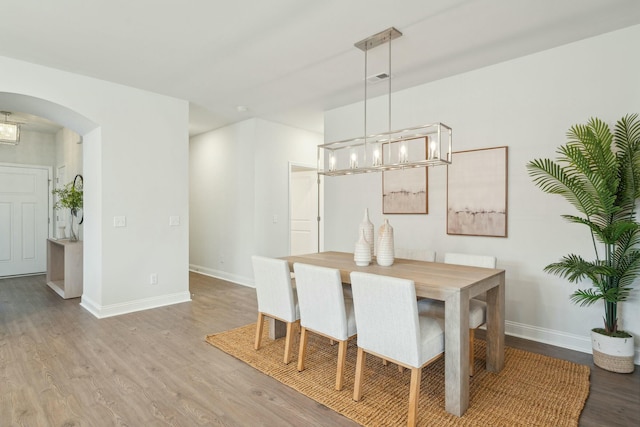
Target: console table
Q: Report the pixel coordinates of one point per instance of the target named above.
(64, 267)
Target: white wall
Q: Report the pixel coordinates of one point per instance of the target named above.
(69, 152)
(35, 148)
(135, 164)
(527, 104)
(239, 180)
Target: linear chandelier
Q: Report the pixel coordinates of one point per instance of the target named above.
(418, 146)
(9, 131)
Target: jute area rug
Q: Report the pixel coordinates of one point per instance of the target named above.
(531, 390)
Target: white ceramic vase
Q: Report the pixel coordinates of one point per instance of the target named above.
(362, 254)
(385, 256)
(366, 227)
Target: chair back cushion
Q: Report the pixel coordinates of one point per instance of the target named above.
(485, 261)
(322, 303)
(387, 317)
(478, 311)
(273, 288)
(415, 254)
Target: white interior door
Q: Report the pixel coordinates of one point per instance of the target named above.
(24, 201)
(303, 197)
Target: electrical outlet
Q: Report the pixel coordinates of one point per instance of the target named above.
(153, 279)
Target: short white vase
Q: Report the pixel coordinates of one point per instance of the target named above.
(362, 254)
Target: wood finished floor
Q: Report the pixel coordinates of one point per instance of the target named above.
(60, 366)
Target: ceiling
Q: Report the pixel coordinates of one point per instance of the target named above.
(288, 60)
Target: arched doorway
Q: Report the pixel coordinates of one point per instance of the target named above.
(27, 218)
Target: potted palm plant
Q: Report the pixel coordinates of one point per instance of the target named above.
(70, 197)
(598, 172)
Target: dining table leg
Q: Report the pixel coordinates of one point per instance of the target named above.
(456, 355)
(495, 326)
(277, 328)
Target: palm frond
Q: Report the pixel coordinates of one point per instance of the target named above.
(574, 268)
(586, 297)
(614, 232)
(627, 138)
(589, 152)
(553, 179)
(595, 224)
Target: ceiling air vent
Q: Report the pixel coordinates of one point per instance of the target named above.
(376, 78)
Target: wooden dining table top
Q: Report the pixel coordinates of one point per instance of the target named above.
(433, 280)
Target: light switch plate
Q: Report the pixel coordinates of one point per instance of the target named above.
(174, 220)
(119, 221)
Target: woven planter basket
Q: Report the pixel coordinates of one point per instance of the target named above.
(612, 353)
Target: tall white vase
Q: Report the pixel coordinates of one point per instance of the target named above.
(385, 255)
(366, 227)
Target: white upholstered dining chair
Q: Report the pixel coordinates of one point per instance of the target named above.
(477, 306)
(413, 254)
(276, 298)
(325, 311)
(416, 254)
(390, 327)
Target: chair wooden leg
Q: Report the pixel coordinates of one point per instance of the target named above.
(342, 358)
(414, 396)
(400, 369)
(385, 362)
(259, 329)
(471, 340)
(288, 343)
(332, 342)
(357, 387)
(302, 353)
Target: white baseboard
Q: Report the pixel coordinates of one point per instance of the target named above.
(222, 275)
(580, 343)
(549, 336)
(131, 306)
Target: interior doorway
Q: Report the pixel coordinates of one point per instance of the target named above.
(303, 209)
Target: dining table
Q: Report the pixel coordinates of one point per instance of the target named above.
(453, 284)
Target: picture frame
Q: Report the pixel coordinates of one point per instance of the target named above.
(406, 191)
(477, 192)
